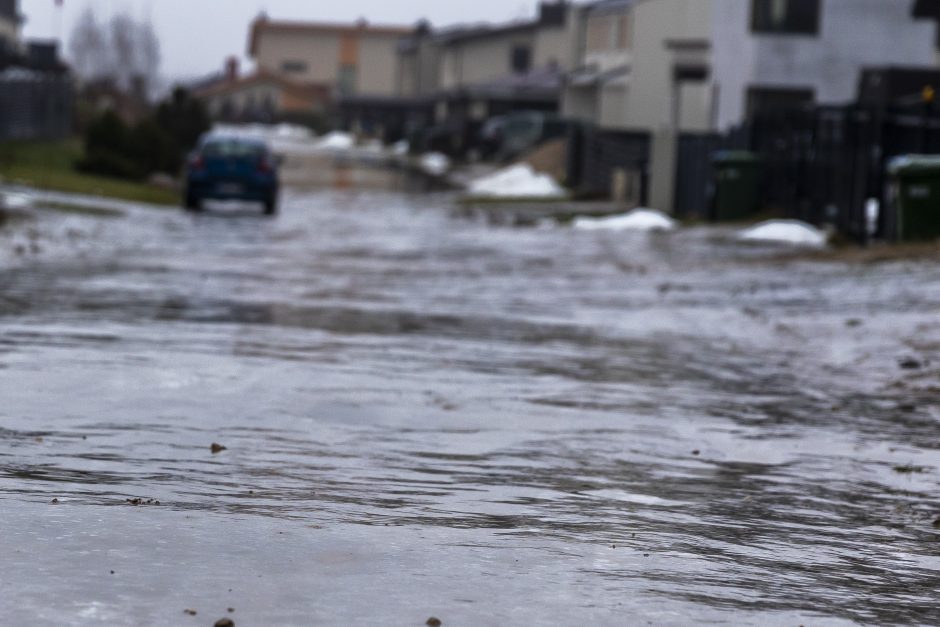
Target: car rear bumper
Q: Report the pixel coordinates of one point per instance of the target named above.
(232, 189)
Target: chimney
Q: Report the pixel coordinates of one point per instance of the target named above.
(231, 69)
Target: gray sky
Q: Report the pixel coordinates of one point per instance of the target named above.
(197, 35)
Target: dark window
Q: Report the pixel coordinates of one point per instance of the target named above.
(294, 67)
(8, 9)
(764, 101)
(794, 17)
(521, 59)
(348, 79)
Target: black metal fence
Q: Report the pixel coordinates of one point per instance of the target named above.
(594, 156)
(821, 165)
(35, 104)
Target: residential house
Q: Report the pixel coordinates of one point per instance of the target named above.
(699, 66)
(36, 99)
(350, 59)
(471, 73)
(596, 90)
(261, 96)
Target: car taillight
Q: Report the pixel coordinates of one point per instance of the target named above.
(265, 166)
(197, 163)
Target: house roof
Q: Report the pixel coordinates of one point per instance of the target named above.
(539, 84)
(296, 90)
(481, 31)
(605, 7)
(263, 25)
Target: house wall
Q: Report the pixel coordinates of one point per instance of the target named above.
(320, 52)
(853, 34)
(418, 71)
(251, 97)
(608, 38)
(377, 64)
(650, 99)
(481, 59)
(558, 45)
(325, 52)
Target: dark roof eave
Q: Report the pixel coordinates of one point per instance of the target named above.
(927, 8)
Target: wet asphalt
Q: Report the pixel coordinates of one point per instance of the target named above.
(426, 414)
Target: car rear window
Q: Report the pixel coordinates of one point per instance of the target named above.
(232, 148)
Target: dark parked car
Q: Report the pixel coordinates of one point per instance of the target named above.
(225, 167)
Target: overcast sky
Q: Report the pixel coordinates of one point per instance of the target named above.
(197, 35)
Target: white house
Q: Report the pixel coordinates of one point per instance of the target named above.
(706, 65)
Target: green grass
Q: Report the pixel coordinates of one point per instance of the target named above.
(51, 165)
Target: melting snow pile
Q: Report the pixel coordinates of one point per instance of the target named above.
(337, 141)
(13, 201)
(636, 220)
(435, 164)
(518, 181)
(786, 232)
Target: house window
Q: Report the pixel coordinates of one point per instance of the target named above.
(348, 77)
(294, 67)
(764, 101)
(786, 17)
(521, 60)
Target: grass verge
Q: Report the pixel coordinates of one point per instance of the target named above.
(50, 165)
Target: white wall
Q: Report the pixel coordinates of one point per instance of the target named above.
(853, 34)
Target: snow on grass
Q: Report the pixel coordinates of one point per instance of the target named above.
(518, 181)
(636, 220)
(791, 232)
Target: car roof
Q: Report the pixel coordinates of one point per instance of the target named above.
(213, 137)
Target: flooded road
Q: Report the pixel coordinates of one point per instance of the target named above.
(427, 415)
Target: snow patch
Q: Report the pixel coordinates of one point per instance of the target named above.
(337, 140)
(14, 201)
(636, 220)
(518, 181)
(786, 232)
(401, 148)
(434, 163)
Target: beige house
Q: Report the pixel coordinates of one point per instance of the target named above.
(474, 55)
(261, 96)
(350, 59)
(596, 91)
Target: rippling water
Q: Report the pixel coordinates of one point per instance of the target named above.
(430, 415)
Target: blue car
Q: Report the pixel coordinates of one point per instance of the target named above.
(225, 167)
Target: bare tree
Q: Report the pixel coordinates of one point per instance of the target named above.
(126, 52)
(90, 48)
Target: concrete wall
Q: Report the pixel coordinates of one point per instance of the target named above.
(853, 34)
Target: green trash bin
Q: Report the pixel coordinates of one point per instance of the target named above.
(737, 185)
(914, 197)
